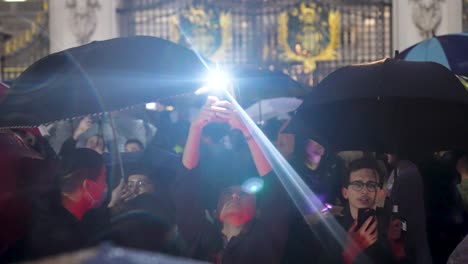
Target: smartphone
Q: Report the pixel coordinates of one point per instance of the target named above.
(363, 215)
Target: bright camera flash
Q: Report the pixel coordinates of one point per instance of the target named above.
(151, 106)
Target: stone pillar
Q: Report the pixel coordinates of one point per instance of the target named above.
(77, 22)
(416, 20)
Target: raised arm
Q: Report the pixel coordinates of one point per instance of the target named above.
(191, 155)
(70, 144)
(226, 111)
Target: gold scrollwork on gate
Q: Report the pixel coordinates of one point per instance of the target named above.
(308, 34)
(207, 31)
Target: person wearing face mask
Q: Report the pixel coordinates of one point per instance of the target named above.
(65, 219)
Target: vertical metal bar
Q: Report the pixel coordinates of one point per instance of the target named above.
(2, 63)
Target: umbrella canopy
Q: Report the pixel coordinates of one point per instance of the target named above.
(390, 106)
(269, 108)
(448, 50)
(253, 85)
(3, 88)
(99, 77)
(108, 253)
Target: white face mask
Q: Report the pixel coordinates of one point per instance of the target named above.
(227, 142)
(95, 203)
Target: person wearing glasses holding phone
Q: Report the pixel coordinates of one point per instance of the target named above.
(138, 183)
(369, 239)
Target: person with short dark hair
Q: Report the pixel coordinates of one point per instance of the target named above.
(146, 222)
(445, 218)
(138, 181)
(406, 188)
(374, 241)
(83, 185)
(316, 162)
(60, 219)
(133, 145)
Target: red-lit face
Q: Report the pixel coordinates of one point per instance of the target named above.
(237, 206)
(132, 147)
(97, 189)
(95, 143)
(313, 155)
(285, 144)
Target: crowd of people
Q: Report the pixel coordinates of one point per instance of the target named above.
(184, 194)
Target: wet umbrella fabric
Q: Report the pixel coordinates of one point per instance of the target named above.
(99, 77)
(390, 106)
(448, 50)
(275, 107)
(107, 253)
(253, 85)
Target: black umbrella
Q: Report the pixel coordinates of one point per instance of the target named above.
(108, 253)
(100, 77)
(252, 85)
(448, 50)
(390, 106)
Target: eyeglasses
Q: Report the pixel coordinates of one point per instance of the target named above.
(371, 186)
(229, 193)
(138, 184)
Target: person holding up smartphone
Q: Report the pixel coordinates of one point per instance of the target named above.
(369, 239)
(95, 142)
(236, 231)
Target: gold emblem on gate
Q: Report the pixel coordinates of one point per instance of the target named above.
(308, 34)
(205, 30)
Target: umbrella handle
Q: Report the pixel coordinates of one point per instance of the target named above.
(115, 149)
(260, 116)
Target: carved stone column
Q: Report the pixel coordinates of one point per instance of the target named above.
(77, 22)
(416, 20)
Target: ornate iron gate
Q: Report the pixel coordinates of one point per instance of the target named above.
(465, 15)
(17, 53)
(306, 39)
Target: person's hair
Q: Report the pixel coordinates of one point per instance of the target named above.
(134, 141)
(142, 169)
(363, 163)
(79, 165)
(99, 136)
(143, 223)
(216, 131)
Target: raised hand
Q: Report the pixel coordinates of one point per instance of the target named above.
(84, 125)
(120, 194)
(225, 111)
(207, 114)
(360, 240)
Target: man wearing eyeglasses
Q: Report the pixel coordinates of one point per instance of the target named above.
(367, 243)
(138, 183)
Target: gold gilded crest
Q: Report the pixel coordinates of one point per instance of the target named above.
(204, 30)
(308, 34)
